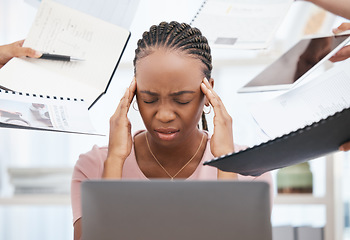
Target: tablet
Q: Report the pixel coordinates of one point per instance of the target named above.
(296, 64)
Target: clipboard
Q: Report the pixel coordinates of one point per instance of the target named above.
(312, 141)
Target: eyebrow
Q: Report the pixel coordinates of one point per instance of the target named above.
(172, 94)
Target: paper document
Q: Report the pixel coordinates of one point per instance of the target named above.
(43, 113)
(305, 123)
(322, 97)
(61, 30)
(246, 24)
(119, 12)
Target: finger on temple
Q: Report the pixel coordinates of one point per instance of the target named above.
(132, 91)
(126, 102)
(123, 104)
(207, 84)
(211, 97)
(214, 100)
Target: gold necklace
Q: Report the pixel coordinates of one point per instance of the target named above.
(172, 177)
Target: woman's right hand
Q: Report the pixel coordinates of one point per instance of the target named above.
(120, 139)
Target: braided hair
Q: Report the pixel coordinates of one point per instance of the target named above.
(176, 36)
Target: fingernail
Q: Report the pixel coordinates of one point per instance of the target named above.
(336, 30)
(206, 80)
(38, 54)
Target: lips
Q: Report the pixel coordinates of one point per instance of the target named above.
(167, 134)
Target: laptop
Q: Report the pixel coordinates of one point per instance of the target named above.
(297, 63)
(181, 210)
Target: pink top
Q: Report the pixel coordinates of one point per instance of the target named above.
(90, 166)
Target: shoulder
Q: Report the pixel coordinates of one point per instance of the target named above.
(90, 164)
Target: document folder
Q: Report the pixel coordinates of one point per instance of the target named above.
(312, 141)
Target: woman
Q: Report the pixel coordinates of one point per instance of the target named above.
(172, 83)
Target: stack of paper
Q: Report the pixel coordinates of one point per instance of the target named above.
(40, 180)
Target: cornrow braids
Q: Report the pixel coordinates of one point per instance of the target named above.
(176, 36)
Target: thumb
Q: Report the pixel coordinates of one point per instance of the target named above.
(343, 27)
(27, 52)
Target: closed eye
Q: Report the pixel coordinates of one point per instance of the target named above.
(182, 101)
(149, 102)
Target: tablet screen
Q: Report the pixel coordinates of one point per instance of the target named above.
(298, 61)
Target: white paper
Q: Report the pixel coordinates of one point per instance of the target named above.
(246, 24)
(119, 12)
(301, 106)
(61, 30)
(40, 112)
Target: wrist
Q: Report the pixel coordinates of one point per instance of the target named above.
(224, 151)
(113, 168)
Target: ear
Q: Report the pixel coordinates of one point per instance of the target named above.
(211, 82)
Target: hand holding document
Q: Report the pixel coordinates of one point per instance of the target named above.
(241, 24)
(303, 105)
(58, 29)
(306, 122)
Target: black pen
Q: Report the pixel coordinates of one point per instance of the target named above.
(59, 57)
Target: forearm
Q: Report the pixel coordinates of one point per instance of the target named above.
(112, 169)
(338, 7)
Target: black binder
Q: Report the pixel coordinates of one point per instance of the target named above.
(312, 141)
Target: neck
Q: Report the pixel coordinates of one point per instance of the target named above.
(179, 154)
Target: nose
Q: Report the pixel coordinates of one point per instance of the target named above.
(165, 113)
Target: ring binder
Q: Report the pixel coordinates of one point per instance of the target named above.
(304, 123)
(199, 10)
(312, 141)
(40, 95)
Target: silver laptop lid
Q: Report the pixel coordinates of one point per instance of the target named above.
(169, 210)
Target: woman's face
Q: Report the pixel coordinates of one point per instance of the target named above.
(169, 96)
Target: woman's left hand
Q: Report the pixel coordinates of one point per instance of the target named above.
(221, 142)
